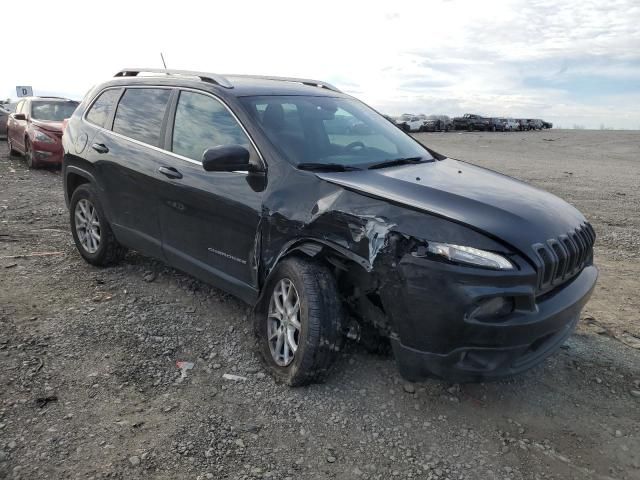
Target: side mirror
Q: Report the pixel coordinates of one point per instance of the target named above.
(19, 116)
(226, 158)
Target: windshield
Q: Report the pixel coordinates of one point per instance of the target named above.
(52, 111)
(330, 130)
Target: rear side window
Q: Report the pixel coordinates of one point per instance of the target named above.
(101, 108)
(140, 114)
(202, 122)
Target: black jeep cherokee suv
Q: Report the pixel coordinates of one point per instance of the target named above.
(264, 188)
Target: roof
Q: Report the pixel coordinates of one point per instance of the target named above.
(233, 84)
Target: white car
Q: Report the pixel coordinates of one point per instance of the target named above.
(410, 123)
(511, 125)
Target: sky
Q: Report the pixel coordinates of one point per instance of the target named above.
(571, 62)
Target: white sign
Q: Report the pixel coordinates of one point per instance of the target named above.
(24, 91)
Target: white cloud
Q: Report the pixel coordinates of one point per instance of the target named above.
(435, 57)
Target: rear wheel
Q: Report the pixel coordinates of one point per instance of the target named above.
(298, 322)
(91, 231)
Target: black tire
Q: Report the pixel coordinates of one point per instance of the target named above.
(28, 155)
(320, 336)
(109, 251)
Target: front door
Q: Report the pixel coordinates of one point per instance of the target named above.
(209, 219)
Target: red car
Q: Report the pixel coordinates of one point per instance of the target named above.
(35, 129)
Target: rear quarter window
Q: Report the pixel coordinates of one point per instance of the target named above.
(102, 107)
(140, 114)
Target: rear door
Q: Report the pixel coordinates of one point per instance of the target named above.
(126, 156)
(209, 219)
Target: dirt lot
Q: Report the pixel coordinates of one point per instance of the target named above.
(90, 388)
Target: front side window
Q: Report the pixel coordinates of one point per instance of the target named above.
(202, 122)
(101, 108)
(140, 114)
(52, 111)
(330, 130)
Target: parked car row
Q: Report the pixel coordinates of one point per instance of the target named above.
(469, 121)
(33, 126)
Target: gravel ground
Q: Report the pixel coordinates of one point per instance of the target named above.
(90, 386)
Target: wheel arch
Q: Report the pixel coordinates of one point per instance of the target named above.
(74, 176)
(335, 256)
(351, 271)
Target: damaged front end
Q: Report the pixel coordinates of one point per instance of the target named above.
(453, 302)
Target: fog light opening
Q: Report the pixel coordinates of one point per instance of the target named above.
(40, 155)
(493, 309)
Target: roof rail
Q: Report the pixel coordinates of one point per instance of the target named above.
(205, 77)
(304, 81)
(50, 97)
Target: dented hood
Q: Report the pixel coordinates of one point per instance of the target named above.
(495, 204)
(51, 126)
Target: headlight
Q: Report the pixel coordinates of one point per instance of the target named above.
(39, 136)
(466, 255)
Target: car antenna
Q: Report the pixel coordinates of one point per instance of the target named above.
(163, 62)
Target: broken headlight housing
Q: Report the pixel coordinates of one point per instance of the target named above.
(464, 255)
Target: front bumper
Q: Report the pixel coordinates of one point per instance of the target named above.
(434, 333)
(45, 153)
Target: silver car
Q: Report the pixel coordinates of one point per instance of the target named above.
(510, 124)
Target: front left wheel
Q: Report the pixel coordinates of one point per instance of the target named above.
(28, 155)
(298, 322)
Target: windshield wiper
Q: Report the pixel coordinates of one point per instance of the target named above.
(326, 167)
(398, 161)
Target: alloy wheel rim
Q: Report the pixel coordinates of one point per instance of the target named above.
(87, 225)
(283, 322)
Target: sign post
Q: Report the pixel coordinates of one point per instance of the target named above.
(24, 91)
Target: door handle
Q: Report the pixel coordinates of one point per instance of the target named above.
(170, 172)
(100, 147)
